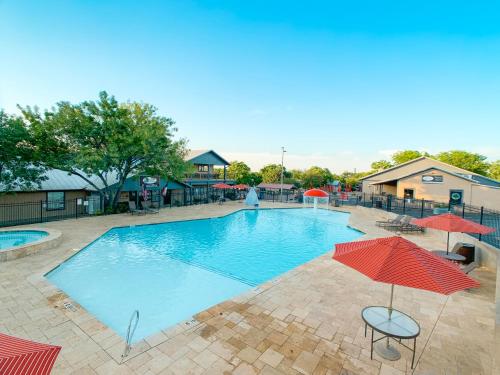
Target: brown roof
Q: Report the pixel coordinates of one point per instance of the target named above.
(275, 186)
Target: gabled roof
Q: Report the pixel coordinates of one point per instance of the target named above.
(471, 178)
(465, 172)
(194, 154)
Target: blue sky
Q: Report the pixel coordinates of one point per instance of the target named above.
(339, 84)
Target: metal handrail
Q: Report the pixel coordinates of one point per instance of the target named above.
(130, 332)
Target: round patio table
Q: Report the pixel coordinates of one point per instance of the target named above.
(454, 257)
(396, 325)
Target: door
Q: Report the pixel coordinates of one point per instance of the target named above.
(456, 197)
(409, 193)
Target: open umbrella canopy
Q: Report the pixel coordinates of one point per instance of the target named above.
(240, 186)
(222, 186)
(317, 193)
(452, 223)
(24, 357)
(397, 261)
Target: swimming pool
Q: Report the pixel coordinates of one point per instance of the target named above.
(14, 238)
(172, 271)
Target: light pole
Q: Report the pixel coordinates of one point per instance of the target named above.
(281, 187)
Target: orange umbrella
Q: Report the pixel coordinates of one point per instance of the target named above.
(240, 186)
(222, 186)
(20, 357)
(452, 223)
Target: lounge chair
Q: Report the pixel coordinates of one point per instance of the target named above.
(134, 210)
(404, 226)
(394, 221)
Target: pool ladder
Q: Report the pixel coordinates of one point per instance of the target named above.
(132, 325)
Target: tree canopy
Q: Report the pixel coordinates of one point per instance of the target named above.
(239, 171)
(107, 139)
(401, 157)
(19, 157)
(466, 160)
(271, 173)
(380, 165)
(494, 170)
(316, 177)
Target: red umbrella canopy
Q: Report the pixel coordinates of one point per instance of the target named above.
(241, 186)
(318, 193)
(222, 186)
(452, 223)
(24, 357)
(395, 260)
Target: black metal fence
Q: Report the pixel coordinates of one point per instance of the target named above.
(419, 208)
(44, 211)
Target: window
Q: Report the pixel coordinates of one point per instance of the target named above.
(202, 168)
(55, 200)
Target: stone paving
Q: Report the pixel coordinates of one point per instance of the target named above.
(307, 321)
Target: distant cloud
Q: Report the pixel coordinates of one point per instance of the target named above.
(257, 112)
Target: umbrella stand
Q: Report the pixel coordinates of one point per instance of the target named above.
(448, 244)
(385, 349)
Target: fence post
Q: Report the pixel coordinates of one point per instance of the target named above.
(389, 203)
(422, 208)
(41, 211)
(481, 220)
(463, 210)
(372, 200)
(404, 206)
(76, 208)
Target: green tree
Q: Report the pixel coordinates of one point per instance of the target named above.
(380, 165)
(19, 164)
(271, 173)
(109, 140)
(254, 178)
(466, 160)
(316, 177)
(239, 171)
(401, 157)
(494, 170)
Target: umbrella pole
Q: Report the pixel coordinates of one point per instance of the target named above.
(390, 302)
(448, 244)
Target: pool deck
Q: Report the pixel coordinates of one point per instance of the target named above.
(305, 322)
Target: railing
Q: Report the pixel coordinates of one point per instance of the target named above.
(132, 325)
(202, 176)
(422, 208)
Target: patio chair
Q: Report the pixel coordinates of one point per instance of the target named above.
(134, 210)
(394, 221)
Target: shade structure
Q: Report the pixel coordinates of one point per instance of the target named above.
(222, 186)
(318, 193)
(395, 260)
(241, 186)
(24, 357)
(452, 223)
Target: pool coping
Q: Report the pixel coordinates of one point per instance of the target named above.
(112, 343)
(50, 241)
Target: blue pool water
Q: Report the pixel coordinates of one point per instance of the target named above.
(19, 237)
(171, 271)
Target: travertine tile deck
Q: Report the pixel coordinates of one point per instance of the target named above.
(305, 322)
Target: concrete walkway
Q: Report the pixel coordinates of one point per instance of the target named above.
(305, 322)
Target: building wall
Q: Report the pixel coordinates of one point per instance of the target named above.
(477, 195)
(406, 170)
(28, 207)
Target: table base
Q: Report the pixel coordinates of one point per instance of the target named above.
(387, 351)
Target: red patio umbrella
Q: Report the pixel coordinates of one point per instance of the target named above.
(452, 223)
(241, 186)
(397, 261)
(24, 357)
(222, 186)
